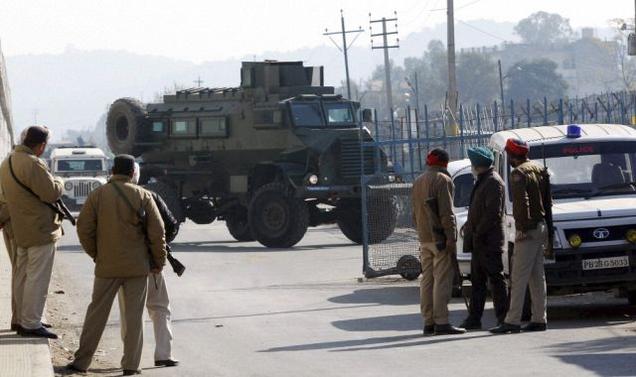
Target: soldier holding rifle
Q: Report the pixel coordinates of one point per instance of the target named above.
(32, 195)
(126, 247)
(531, 210)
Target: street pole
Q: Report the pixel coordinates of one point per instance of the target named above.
(387, 63)
(452, 79)
(345, 47)
(417, 95)
(387, 68)
(501, 92)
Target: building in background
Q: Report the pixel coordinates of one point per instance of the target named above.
(6, 119)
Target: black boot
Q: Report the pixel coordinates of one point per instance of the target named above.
(471, 324)
(506, 328)
(38, 333)
(448, 330)
(534, 326)
(429, 330)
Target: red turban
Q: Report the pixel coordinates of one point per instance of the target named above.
(433, 159)
(517, 147)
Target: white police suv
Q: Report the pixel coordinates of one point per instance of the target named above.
(593, 178)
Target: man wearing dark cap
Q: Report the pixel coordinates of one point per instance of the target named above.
(528, 185)
(29, 189)
(437, 231)
(111, 231)
(484, 238)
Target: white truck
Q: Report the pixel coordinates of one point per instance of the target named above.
(83, 169)
(593, 178)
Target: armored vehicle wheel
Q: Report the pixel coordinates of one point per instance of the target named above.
(277, 218)
(238, 225)
(382, 219)
(169, 196)
(125, 116)
(200, 211)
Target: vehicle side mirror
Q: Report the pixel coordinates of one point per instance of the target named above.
(367, 115)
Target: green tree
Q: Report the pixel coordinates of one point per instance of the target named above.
(534, 80)
(477, 79)
(543, 27)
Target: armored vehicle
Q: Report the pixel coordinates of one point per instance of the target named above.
(272, 157)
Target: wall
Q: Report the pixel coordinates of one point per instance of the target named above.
(6, 119)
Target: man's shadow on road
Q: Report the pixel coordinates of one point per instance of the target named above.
(576, 312)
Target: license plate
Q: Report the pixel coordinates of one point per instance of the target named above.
(80, 201)
(602, 263)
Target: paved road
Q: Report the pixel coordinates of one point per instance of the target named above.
(243, 310)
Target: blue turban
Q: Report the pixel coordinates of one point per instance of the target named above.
(480, 156)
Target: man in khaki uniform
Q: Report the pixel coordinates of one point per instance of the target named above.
(28, 187)
(437, 231)
(111, 232)
(528, 185)
(12, 250)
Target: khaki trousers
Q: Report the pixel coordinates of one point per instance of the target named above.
(158, 305)
(133, 291)
(528, 272)
(33, 268)
(12, 250)
(436, 284)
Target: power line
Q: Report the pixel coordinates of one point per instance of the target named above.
(482, 31)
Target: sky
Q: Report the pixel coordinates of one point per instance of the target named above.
(209, 30)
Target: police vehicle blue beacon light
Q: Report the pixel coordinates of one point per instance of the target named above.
(574, 131)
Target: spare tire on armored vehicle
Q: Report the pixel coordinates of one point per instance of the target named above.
(124, 121)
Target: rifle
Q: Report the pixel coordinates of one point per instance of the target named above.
(177, 266)
(547, 207)
(440, 243)
(58, 207)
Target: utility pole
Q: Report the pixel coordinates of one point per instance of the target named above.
(503, 104)
(198, 81)
(414, 86)
(345, 47)
(452, 79)
(386, 46)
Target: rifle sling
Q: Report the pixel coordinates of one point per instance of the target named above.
(27, 189)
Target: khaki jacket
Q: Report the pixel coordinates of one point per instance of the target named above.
(527, 185)
(34, 224)
(5, 218)
(110, 232)
(484, 230)
(434, 183)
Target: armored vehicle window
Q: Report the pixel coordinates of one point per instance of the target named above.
(307, 114)
(339, 113)
(158, 127)
(213, 127)
(183, 128)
